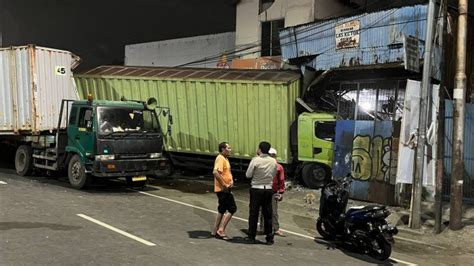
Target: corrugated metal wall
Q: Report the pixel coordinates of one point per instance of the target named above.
(207, 111)
(468, 185)
(380, 38)
(33, 82)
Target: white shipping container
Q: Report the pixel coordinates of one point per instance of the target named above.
(33, 81)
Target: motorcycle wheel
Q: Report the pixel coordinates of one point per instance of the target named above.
(384, 250)
(323, 230)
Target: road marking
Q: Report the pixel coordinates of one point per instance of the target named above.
(3, 183)
(404, 262)
(141, 240)
(240, 219)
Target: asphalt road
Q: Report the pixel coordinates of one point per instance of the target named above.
(44, 221)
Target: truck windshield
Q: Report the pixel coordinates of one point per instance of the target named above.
(119, 119)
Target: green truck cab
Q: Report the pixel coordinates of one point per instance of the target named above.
(102, 139)
(315, 138)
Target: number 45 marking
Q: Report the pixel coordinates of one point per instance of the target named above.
(60, 70)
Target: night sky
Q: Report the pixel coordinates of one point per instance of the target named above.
(98, 30)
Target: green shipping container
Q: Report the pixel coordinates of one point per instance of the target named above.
(209, 106)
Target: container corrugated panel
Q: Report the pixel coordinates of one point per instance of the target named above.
(468, 185)
(33, 82)
(380, 38)
(242, 107)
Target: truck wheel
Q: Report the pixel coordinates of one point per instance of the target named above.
(314, 175)
(164, 173)
(77, 173)
(24, 160)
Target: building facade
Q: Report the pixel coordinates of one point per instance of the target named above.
(199, 51)
(258, 21)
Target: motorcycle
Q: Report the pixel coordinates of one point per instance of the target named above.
(364, 228)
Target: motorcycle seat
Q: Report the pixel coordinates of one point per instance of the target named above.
(362, 209)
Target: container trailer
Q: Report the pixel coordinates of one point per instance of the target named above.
(242, 107)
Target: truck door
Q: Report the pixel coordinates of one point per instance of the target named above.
(81, 132)
(316, 138)
(323, 141)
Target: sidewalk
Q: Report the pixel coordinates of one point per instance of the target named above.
(455, 242)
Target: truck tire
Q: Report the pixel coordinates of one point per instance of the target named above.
(165, 173)
(77, 173)
(314, 175)
(24, 160)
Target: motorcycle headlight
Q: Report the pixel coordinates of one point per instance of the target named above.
(155, 155)
(107, 157)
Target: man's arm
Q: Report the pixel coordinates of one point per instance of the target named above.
(281, 179)
(217, 172)
(249, 173)
(218, 176)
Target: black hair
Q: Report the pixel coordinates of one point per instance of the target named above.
(264, 147)
(222, 146)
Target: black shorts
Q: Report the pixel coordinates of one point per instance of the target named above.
(226, 202)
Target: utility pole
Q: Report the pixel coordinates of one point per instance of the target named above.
(1, 23)
(417, 188)
(457, 173)
(438, 208)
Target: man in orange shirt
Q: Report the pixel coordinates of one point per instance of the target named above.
(223, 183)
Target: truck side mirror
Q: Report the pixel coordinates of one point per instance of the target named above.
(151, 103)
(170, 122)
(88, 119)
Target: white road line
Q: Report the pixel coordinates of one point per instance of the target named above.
(404, 262)
(3, 183)
(241, 219)
(141, 240)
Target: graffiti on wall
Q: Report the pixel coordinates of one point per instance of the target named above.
(372, 158)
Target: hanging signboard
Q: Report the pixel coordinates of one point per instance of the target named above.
(412, 53)
(347, 34)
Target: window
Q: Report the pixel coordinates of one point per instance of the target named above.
(325, 130)
(264, 5)
(85, 118)
(73, 116)
(271, 37)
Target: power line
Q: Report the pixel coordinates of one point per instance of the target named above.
(331, 48)
(217, 57)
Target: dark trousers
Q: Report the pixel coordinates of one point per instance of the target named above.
(260, 198)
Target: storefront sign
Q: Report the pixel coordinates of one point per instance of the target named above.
(412, 54)
(347, 34)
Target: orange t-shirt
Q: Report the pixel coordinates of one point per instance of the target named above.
(222, 165)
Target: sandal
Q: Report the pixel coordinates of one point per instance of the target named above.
(223, 237)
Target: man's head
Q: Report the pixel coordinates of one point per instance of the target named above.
(264, 147)
(224, 148)
(272, 152)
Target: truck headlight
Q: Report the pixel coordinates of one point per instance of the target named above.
(107, 157)
(155, 155)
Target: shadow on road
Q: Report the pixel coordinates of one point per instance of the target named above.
(347, 250)
(33, 225)
(200, 234)
(102, 186)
